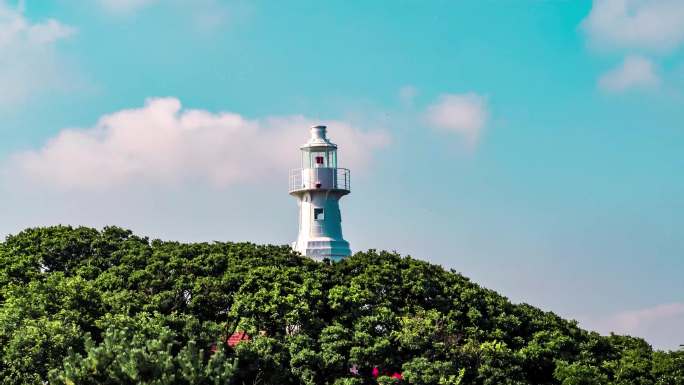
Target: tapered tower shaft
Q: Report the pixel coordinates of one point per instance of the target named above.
(318, 186)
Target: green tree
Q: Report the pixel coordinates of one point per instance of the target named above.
(82, 306)
(145, 350)
(668, 367)
(577, 373)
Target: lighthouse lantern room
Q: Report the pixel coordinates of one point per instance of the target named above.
(318, 186)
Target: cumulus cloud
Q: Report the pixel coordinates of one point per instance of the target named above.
(662, 323)
(632, 321)
(407, 94)
(206, 15)
(125, 6)
(28, 61)
(634, 72)
(161, 143)
(463, 114)
(636, 24)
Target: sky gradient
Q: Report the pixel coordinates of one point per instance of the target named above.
(532, 145)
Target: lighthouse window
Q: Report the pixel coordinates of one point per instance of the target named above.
(318, 214)
(318, 159)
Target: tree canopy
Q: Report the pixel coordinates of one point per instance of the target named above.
(82, 306)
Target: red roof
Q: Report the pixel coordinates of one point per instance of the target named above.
(236, 338)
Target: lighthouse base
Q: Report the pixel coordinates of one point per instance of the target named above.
(321, 248)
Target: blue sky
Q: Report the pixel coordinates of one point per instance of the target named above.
(533, 145)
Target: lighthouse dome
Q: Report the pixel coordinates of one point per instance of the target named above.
(318, 138)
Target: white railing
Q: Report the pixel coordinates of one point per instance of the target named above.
(319, 178)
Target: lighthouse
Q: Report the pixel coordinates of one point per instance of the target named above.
(318, 186)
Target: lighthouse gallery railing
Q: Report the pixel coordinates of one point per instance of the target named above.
(319, 178)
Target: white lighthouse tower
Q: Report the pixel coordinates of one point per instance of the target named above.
(318, 187)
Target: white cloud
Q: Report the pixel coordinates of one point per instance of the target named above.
(407, 94)
(661, 323)
(125, 6)
(28, 61)
(463, 114)
(162, 144)
(632, 321)
(636, 24)
(634, 72)
(205, 15)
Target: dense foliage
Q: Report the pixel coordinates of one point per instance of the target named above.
(81, 306)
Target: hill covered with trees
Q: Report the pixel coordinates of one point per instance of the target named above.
(82, 306)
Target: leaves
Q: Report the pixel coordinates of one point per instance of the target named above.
(81, 306)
